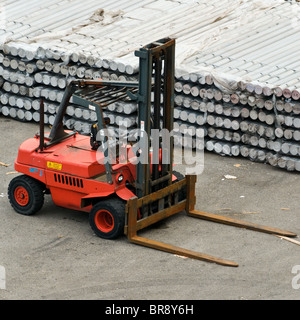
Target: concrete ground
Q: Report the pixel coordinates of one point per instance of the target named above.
(55, 255)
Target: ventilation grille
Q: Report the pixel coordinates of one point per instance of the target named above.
(68, 180)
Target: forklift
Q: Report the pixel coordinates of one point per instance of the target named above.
(121, 197)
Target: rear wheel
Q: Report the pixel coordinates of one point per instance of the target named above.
(26, 195)
(107, 218)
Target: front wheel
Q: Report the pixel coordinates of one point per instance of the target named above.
(107, 218)
(26, 195)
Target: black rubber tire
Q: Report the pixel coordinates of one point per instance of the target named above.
(113, 206)
(35, 194)
(182, 193)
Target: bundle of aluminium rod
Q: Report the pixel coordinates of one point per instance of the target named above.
(260, 127)
(237, 70)
(28, 77)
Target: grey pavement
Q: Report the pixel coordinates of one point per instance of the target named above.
(55, 255)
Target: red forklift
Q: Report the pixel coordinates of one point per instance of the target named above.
(120, 197)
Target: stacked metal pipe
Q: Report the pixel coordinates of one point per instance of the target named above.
(26, 81)
(263, 128)
(237, 69)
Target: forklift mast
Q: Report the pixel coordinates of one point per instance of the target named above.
(157, 68)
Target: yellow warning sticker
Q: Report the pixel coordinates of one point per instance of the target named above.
(54, 165)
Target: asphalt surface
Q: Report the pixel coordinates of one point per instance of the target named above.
(55, 255)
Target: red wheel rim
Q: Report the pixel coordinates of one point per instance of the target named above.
(21, 196)
(104, 221)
